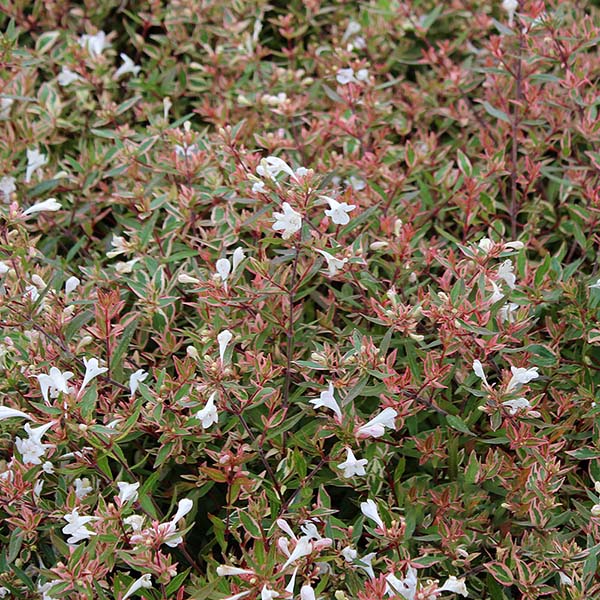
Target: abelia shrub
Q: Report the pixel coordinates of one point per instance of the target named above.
(299, 300)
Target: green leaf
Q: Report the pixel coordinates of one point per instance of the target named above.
(458, 424)
(496, 112)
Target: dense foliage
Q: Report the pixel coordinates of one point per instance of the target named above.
(299, 299)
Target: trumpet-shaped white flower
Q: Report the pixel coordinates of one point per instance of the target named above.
(71, 284)
(8, 413)
(7, 187)
(455, 585)
(497, 294)
(172, 536)
(208, 415)
(32, 449)
(346, 76)
(35, 160)
(406, 587)
(224, 338)
(223, 270)
(369, 509)
(119, 244)
(95, 44)
(365, 563)
(521, 376)
(510, 6)
(50, 205)
(478, 370)
(349, 554)
(92, 370)
(76, 527)
(227, 571)
(338, 211)
(271, 166)
(307, 593)
(67, 77)
(237, 258)
(128, 66)
(520, 404)
(267, 594)
(54, 383)
(136, 522)
(302, 548)
(506, 312)
(334, 265)
(506, 272)
(352, 466)
(128, 492)
(376, 426)
(289, 221)
(82, 487)
(145, 581)
(327, 400)
(185, 278)
(135, 379)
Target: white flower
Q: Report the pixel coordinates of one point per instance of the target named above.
(289, 588)
(136, 522)
(327, 400)
(334, 265)
(238, 257)
(349, 554)
(48, 467)
(9, 413)
(366, 565)
(510, 6)
(595, 286)
(514, 245)
(505, 313)
(506, 272)
(346, 76)
(185, 278)
(135, 379)
(4, 268)
(307, 593)
(478, 370)
(55, 382)
(7, 187)
(356, 184)
(128, 492)
(226, 571)
(186, 151)
(595, 510)
(173, 537)
(352, 466)
(82, 487)
(122, 268)
(224, 338)
(5, 105)
(267, 594)
(119, 244)
(208, 415)
(338, 211)
(31, 448)
(50, 205)
(302, 548)
(35, 160)
(95, 44)
(71, 284)
(44, 588)
(289, 221)
(76, 527)
(223, 267)
(376, 426)
(406, 587)
(4, 592)
(91, 370)
(37, 488)
(515, 406)
(67, 77)
(455, 585)
(565, 579)
(369, 509)
(145, 581)
(497, 294)
(128, 66)
(271, 166)
(258, 187)
(521, 376)
(485, 245)
(352, 29)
